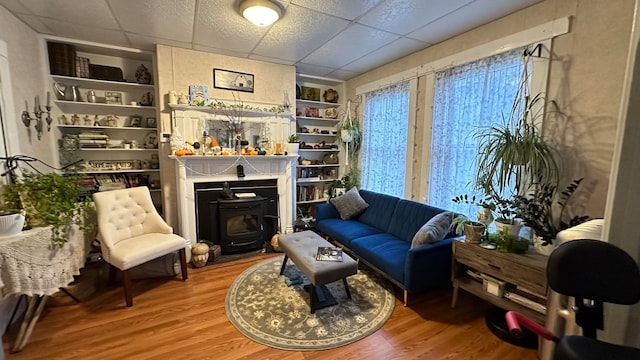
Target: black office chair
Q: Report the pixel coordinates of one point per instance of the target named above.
(593, 272)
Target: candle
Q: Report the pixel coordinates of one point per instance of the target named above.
(48, 99)
(36, 105)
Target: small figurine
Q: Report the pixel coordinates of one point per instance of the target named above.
(112, 120)
(96, 121)
(87, 120)
(75, 119)
(183, 99)
(62, 120)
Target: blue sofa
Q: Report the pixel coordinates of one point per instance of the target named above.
(381, 237)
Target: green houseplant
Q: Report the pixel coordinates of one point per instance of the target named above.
(472, 230)
(293, 144)
(50, 199)
(349, 134)
(538, 212)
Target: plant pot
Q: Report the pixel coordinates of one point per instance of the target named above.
(473, 232)
(512, 229)
(292, 148)
(11, 223)
(545, 250)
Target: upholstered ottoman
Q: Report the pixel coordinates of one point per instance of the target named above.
(302, 248)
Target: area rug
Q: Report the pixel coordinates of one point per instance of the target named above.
(266, 310)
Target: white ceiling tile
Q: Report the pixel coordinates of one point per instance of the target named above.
(93, 13)
(86, 33)
(271, 60)
(15, 6)
(385, 54)
(148, 43)
(404, 16)
(298, 33)
(468, 17)
(310, 69)
(348, 10)
(349, 45)
(36, 24)
(341, 74)
(221, 26)
(220, 51)
(168, 19)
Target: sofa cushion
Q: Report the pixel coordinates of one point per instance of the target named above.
(433, 230)
(350, 204)
(409, 217)
(380, 210)
(385, 252)
(344, 231)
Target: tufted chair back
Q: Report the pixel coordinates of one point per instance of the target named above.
(131, 232)
(123, 214)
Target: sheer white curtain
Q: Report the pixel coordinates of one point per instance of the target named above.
(466, 97)
(384, 139)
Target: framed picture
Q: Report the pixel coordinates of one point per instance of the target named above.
(232, 80)
(151, 122)
(112, 97)
(135, 121)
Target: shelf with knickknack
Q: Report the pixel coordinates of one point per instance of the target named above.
(318, 102)
(104, 110)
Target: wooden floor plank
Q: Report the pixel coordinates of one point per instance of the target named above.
(172, 319)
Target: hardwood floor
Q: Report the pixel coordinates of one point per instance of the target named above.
(171, 319)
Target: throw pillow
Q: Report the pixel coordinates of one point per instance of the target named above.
(350, 204)
(433, 230)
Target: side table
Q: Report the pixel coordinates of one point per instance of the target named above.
(525, 272)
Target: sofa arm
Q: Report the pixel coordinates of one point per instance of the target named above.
(326, 211)
(428, 266)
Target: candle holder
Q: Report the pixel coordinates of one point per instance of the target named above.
(37, 116)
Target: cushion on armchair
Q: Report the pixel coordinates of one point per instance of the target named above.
(433, 230)
(350, 204)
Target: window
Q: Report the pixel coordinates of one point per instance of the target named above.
(384, 139)
(475, 94)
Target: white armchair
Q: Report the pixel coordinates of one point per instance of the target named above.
(131, 232)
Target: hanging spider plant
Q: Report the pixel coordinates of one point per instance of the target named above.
(349, 134)
(515, 153)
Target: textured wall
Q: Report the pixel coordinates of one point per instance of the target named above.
(585, 79)
(177, 68)
(26, 61)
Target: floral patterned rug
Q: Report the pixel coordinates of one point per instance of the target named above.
(266, 310)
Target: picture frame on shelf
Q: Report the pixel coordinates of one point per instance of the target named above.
(151, 122)
(113, 97)
(135, 121)
(233, 80)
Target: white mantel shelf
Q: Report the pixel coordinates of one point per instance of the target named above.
(192, 169)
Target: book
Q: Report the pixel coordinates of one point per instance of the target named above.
(329, 253)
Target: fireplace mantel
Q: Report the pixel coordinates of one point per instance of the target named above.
(191, 169)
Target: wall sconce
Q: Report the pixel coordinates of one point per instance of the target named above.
(260, 12)
(37, 115)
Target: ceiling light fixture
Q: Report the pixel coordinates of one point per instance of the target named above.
(260, 12)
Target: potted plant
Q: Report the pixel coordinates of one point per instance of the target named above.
(503, 210)
(350, 134)
(52, 200)
(515, 153)
(472, 230)
(346, 182)
(293, 144)
(538, 212)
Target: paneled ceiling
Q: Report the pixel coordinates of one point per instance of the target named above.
(331, 38)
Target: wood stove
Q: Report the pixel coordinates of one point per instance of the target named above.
(241, 223)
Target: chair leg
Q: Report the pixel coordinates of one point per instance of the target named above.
(126, 284)
(111, 279)
(183, 263)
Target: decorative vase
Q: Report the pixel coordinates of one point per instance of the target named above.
(292, 148)
(545, 250)
(200, 254)
(473, 232)
(512, 229)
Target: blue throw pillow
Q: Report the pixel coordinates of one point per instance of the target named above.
(349, 205)
(433, 230)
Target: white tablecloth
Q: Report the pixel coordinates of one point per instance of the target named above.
(31, 265)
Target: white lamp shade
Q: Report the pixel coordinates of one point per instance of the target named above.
(260, 12)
